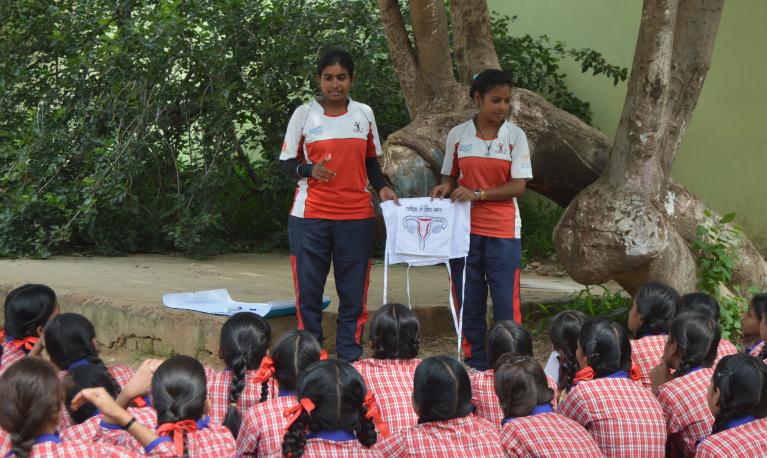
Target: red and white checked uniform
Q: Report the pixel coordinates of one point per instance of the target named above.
(66, 449)
(646, 353)
(263, 428)
(688, 418)
(725, 348)
(625, 419)
(758, 349)
(547, 435)
(486, 402)
(11, 354)
(218, 393)
(91, 430)
(391, 381)
(209, 442)
(747, 440)
(469, 436)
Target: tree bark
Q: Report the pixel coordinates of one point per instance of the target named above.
(472, 38)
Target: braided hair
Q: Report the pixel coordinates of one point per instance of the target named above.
(441, 390)
(292, 354)
(32, 397)
(337, 391)
(244, 340)
(697, 340)
(742, 383)
(88, 376)
(564, 329)
(395, 333)
(606, 346)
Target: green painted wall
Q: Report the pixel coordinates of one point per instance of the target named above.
(723, 157)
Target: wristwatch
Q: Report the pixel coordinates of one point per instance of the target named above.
(478, 193)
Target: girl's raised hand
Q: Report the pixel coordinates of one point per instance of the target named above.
(140, 383)
(110, 411)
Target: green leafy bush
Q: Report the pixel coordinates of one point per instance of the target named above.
(609, 304)
(538, 221)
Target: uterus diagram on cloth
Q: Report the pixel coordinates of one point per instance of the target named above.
(425, 230)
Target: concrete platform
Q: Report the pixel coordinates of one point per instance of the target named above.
(122, 295)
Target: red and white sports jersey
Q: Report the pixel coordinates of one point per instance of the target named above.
(218, 393)
(624, 419)
(263, 428)
(547, 435)
(688, 418)
(349, 138)
(487, 164)
(94, 430)
(486, 402)
(391, 381)
(53, 447)
(11, 354)
(747, 440)
(211, 441)
(646, 353)
(470, 436)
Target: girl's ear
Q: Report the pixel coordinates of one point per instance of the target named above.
(40, 331)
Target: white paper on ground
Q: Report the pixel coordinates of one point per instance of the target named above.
(216, 302)
(552, 366)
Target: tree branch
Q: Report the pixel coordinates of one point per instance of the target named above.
(472, 38)
(429, 20)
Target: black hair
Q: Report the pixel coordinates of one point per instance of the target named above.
(31, 401)
(520, 384)
(441, 389)
(508, 337)
(759, 304)
(657, 304)
(87, 376)
(564, 330)
(338, 392)
(742, 383)
(395, 333)
(606, 346)
(697, 338)
(27, 308)
(244, 341)
(335, 57)
(69, 338)
(486, 80)
(179, 391)
(292, 354)
(702, 303)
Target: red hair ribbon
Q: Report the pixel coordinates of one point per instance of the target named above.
(374, 414)
(634, 373)
(294, 412)
(323, 355)
(2, 334)
(27, 342)
(178, 429)
(587, 373)
(139, 402)
(266, 371)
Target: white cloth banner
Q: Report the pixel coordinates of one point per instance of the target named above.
(424, 232)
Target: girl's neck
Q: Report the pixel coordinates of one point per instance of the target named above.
(487, 127)
(334, 108)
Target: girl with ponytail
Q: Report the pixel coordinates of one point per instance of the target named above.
(263, 426)
(447, 425)
(244, 340)
(335, 415)
(27, 309)
(737, 398)
(394, 338)
(690, 352)
(624, 418)
(564, 329)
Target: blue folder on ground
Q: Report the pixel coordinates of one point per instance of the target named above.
(219, 302)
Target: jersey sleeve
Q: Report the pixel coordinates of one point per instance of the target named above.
(374, 140)
(293, 135)
(520, 155)
(450, 162)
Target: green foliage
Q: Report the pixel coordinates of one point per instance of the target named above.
(533, 63)
(715, 247)
(606, 303)
(538, 222)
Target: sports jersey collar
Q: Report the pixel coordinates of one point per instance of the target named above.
(78, 363)
(739, 421)
(475, 132)
(337, 435)
(282, 393)
(540, 408)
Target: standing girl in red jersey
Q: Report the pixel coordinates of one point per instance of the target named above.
(654, 306)
(530, 425)
(332, 147)
(690, 352)
(263, 425)
(487, 161)
(27, 309)
(624, 419)
(394, 338)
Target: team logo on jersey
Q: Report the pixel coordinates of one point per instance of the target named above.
(465, 148)
(314, 132)
(424, 226)
(357, 127)
(500, 149)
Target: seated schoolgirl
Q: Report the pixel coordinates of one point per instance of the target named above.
(707, 305)
(27, 309)
(690, 353)
(530, 425)
(394, 339)
(750, 323)
(737, 397)
(263, 425)
(564, 329)
(624, 418)
(446, 426)
(504, 337)
(244, 341)
(334, 416)
(29, 413)
(654, 306)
